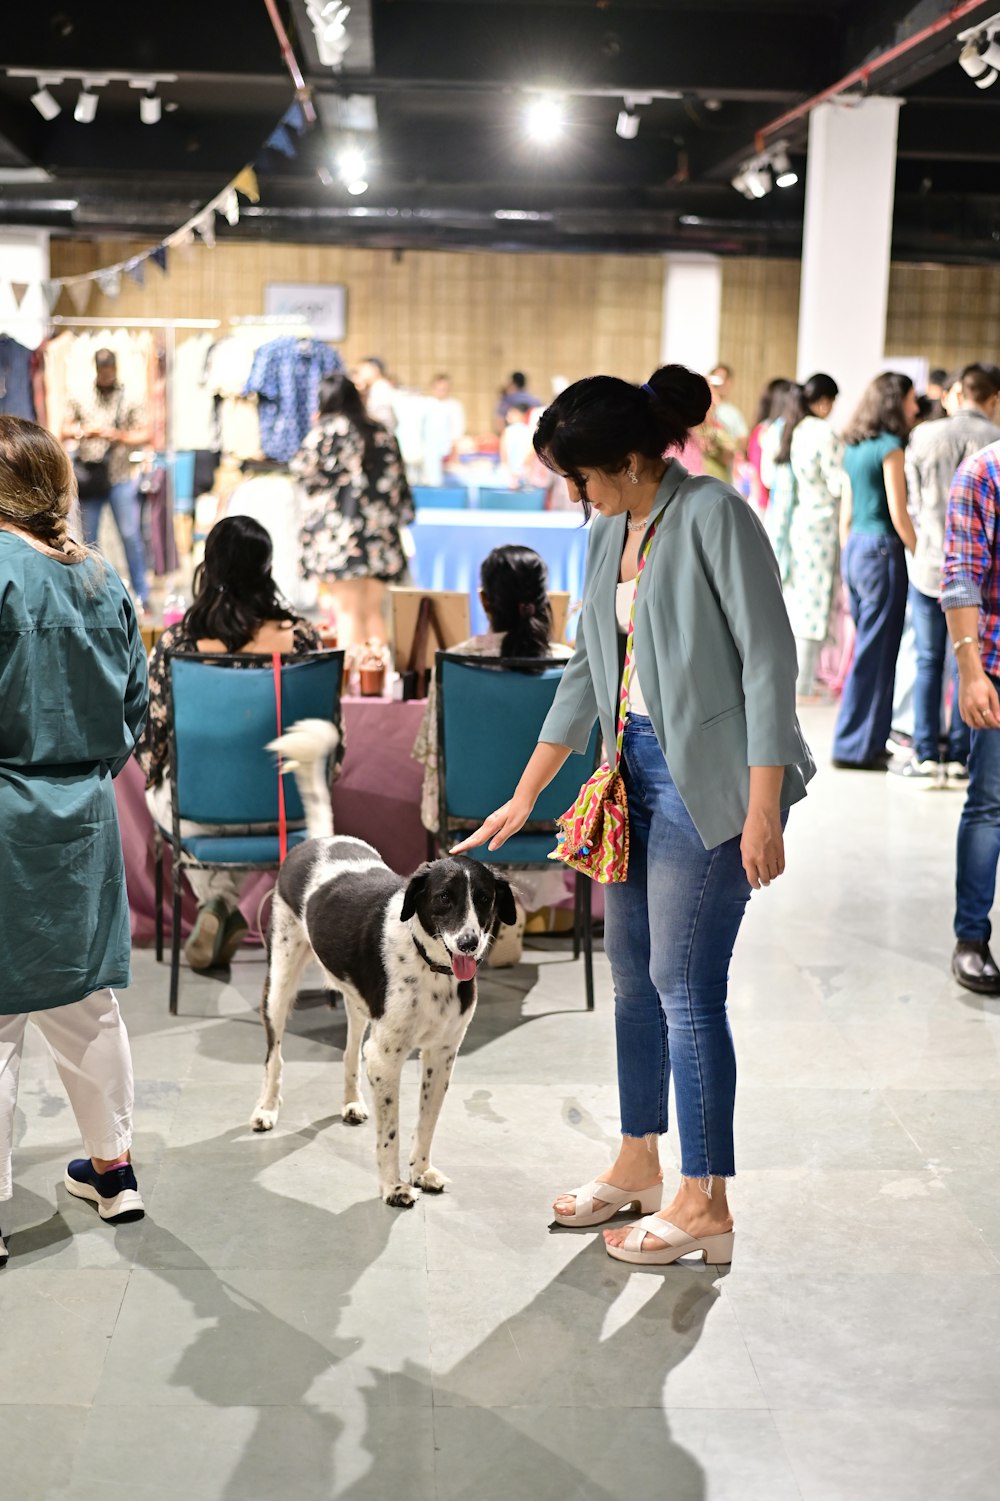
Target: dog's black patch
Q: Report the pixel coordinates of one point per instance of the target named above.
(295, 874)
(466, 994)
(345, 920)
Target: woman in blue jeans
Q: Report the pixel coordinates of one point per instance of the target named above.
(875, 532)
(712, 760)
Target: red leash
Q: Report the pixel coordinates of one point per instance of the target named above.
(282, 817)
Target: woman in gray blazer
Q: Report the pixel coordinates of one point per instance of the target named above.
(713, 758)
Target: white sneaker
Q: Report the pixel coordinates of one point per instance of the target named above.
(923, 773)
(956, 774)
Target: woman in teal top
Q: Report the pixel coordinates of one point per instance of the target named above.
(72, 705)
(712, 760)
(875, 531)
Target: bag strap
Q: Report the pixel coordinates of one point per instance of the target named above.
(630, 641)
(282, 816)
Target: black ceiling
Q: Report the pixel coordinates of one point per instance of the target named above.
(446, 83)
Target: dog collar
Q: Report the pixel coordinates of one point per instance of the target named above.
(439, 969)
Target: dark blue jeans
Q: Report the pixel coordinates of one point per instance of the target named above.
(979, 838)
(669, 935)
(932, 645)
(125, 508)
(874, 570)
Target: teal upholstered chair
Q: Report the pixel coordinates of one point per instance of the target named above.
(223, 712)
(511, 500)
(490, 711)
(441, 497)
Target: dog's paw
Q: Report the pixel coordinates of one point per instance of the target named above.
(263, 1119)
(431, 1181)
(400, 1196)
(354, 1114)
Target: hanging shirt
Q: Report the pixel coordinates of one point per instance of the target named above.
(285, 378)
(193, 401)
(16, 399)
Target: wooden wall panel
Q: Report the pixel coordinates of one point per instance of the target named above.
(949, 315)
(760, 320)
(478, 316)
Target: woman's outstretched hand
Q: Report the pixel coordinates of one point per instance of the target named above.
(499, 827)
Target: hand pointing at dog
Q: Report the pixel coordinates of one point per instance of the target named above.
(508, 820)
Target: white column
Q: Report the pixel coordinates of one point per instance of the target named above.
(24, 256)
(692, 311)
(846, 244)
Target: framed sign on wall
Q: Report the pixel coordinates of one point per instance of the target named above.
(323, 307)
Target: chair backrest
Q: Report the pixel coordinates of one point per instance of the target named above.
(489, 715)
(222, 717)
(441, 497)
(511, 500)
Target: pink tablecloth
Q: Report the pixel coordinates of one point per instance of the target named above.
(377, 798)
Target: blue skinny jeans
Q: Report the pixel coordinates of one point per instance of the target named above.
(669, 936)
(979, 838)
(126, 509)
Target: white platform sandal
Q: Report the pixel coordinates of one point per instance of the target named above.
(596, 1203)
(717, 1250)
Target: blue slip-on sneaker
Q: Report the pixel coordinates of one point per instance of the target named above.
(116, 1193)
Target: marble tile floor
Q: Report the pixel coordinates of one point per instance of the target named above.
(271, 1330)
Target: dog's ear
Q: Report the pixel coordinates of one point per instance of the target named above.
(505, 904)
(412, 894)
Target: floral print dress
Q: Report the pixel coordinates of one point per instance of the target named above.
(802, 522)
(351, 520)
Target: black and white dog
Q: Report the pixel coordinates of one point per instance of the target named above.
(403, 953)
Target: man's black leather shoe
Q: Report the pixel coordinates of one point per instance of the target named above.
(974, 967)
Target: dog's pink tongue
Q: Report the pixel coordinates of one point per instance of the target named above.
(463, 966)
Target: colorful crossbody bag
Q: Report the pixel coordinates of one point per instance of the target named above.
(593, 834)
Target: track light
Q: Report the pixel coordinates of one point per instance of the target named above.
(150, 109)
(358, 187)
(47, 104)
(973, 60)
(628, 125)
(545, 119)
(86, 107)
(785, 175)
(351, 164)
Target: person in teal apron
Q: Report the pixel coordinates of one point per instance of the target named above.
(73, 698)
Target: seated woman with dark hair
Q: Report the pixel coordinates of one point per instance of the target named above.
(514, 590)
(237, 608)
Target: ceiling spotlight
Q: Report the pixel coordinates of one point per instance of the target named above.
(785, 175)
(150, 108)
(973, 61)
(545, 119)
(351, 164)
(86, 107)
(358, 187)
(47, 104)
(628, 125)
(759, 181)
(329, 23)
(991, 57)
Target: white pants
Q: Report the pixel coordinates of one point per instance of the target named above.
(89, 1043)
(207, 885)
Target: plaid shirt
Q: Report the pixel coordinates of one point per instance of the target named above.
(971, 573)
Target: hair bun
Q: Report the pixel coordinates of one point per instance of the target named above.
(683, 391)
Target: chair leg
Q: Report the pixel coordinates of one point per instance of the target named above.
(158, 870)
(577, 912)
(588, 943)
(175, 938)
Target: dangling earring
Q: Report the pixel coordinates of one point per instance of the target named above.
(633, 477)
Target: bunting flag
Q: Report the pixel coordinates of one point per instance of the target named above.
(19, 288)
(206, 228)
(137, 270)
(110, 280)
(294, 117)
(246, 183)
(52, 291)
(281, 140)
(231, 207)
(80, 292)
(159, 256)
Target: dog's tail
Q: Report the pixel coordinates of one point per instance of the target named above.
(305, 750)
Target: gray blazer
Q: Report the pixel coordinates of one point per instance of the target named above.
(713, 649)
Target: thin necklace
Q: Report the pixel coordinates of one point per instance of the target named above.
(637, 526)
